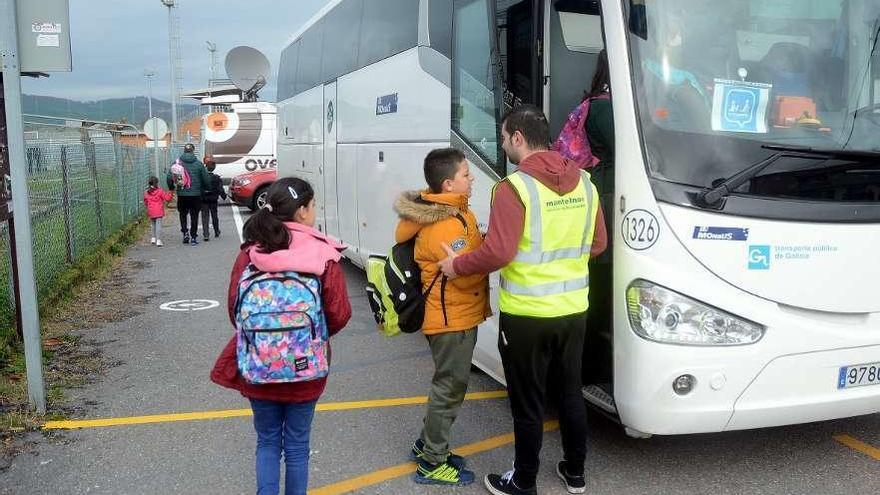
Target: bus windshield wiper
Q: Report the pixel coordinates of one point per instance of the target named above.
(714, 196)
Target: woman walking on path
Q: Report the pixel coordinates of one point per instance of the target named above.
(281, 238)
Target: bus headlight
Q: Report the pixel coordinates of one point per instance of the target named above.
(662, 315)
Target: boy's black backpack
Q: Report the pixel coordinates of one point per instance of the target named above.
(401, 285)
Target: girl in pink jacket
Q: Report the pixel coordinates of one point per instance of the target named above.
(155, 198)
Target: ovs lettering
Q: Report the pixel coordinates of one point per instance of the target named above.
(253, 163)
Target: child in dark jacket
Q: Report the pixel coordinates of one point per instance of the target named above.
(280, 237)
(212, 192)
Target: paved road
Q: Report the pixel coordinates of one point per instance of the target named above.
(166, 357)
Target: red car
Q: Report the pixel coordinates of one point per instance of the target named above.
(250, 189)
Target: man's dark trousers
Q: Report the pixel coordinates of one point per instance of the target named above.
(533, 349)
(189, 206)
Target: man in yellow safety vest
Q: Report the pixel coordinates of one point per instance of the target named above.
(545, 224)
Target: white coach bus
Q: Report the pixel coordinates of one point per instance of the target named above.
(743, 203)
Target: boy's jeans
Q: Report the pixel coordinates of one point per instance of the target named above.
(452, 353)
(280, 424)
(209, 208)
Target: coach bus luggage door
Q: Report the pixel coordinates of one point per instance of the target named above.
(327, 172)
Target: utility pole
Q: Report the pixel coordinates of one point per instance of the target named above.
(14, 129)
(170, 5)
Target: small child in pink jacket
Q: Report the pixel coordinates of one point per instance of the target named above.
(155, 198)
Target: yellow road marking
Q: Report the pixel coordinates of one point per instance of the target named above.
(399, 470)
(855, 444)
(239, 413)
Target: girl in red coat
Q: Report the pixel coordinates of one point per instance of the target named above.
(280, 237)
(154, 199)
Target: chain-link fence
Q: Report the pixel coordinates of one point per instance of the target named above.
(82, 188)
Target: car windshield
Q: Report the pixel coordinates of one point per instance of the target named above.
(714, 81)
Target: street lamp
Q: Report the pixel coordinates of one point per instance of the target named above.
(212, 48)
(150, 74)
(170, 5)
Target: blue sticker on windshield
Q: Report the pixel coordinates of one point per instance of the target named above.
(721, 233)
(740, 106)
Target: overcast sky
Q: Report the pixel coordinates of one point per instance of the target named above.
(113, 41)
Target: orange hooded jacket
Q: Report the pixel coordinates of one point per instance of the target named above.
(452, 305)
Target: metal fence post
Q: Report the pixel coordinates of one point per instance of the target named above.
(92, 162)
(65, 204)
(120, 182)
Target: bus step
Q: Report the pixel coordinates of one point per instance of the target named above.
(596, 395)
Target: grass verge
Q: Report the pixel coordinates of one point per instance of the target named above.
(65, 365)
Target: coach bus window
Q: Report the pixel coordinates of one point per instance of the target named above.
(308, 69)
(474, 103)
(389, 27)
(342, 30)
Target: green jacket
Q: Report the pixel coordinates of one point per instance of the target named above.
(201, 178)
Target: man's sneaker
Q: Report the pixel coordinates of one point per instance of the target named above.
(216, 233)
(442, 474)
(574, 484)
(152, 240)
(159, 243)
(194, 241)
(207, 237)
(186, 239)
(418, 450)
(498, 484)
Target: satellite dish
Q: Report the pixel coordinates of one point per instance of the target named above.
(155, 128)
(248, 68)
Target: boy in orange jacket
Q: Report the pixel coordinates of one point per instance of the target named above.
(454, 308)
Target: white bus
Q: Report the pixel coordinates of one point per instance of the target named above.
(743, 202)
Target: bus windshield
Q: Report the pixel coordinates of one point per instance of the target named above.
(716, 81)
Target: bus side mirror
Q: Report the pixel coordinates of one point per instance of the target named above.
(638, 19)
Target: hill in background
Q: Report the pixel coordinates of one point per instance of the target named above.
(133, 110)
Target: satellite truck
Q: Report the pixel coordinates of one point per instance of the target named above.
(239, 132)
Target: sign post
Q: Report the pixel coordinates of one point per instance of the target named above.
(155, 129)
(42, 30)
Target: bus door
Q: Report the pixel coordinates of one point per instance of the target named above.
(327, 172)
(520, 32)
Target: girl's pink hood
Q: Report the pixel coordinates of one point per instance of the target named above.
(309, 252)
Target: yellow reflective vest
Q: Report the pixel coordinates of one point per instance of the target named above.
(550, 276)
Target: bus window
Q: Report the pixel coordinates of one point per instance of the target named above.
(475, 109)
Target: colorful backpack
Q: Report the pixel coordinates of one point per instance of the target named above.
(281, 331)
(572, 142)
(181, 175)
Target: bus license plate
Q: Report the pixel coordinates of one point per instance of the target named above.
(858, 375)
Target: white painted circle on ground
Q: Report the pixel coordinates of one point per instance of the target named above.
(189, 305)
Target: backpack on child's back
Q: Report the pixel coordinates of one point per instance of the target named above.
(180, 175)
(394, 289)
(281, 331)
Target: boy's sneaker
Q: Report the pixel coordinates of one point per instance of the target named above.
(159, 243)
(418, 449)
(152, 240)
(194, 242)
(186, 239)
(574, 484)
(442, 474)
(498, 484)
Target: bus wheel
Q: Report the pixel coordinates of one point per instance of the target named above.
(260, 198)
